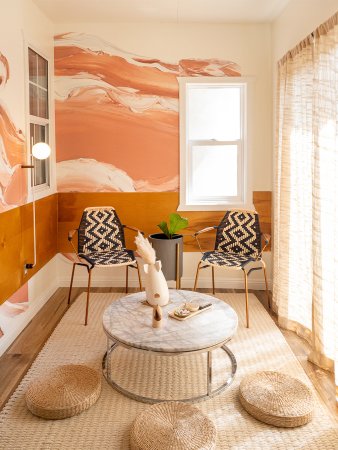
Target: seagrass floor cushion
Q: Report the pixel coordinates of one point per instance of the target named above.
(64, 392)
(172, 426)
(277, 399)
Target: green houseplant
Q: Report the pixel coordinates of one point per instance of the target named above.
(176, 223)
(169, 246)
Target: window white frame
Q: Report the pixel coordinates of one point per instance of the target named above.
(42, 190)
(244, 198)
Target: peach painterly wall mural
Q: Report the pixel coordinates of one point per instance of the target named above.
(13, 189)
(117, 116)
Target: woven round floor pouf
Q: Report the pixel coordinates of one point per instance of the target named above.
(277, 399)
(172, 426)
(64, 392)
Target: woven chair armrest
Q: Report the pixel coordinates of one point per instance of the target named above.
(205, 230)
(266, 238)
(71, 234)
(133, 229)
(187, 235)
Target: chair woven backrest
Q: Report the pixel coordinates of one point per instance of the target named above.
(239, 232)
(100, 230)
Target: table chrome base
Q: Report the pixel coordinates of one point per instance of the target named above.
(210, 393)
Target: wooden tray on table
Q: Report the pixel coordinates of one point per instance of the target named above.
(192, 313)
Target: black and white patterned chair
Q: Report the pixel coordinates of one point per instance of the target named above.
(238, 246)
(101, 243)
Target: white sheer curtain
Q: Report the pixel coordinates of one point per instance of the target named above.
(305, 293)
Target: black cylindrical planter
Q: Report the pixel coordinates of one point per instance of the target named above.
(166, 251)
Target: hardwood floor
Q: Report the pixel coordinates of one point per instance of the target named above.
(18, 358)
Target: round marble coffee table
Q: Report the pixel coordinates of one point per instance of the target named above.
(127, 322)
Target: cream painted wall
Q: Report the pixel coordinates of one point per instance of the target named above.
(299, 19)
(247, 45)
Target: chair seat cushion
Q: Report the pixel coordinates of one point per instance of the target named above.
(226, 259)
(172, 426)
(277, 399)
(110, 258)
(64, 391)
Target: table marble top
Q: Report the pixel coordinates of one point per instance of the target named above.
(129, 322)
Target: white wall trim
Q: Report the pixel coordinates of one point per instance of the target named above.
(186, 282)
(115, 277)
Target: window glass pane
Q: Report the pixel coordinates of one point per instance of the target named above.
(33, 100)
(43, 103)
(42, 72)
(214, 170)
(33, 65)
(214, 113)
(39, 172)
(38, 133)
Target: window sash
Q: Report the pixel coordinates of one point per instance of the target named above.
(214, 199)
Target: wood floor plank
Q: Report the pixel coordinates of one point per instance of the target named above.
(17, 360)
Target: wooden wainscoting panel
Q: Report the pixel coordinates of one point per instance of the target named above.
(145, 210)
(11, 252)
(16, 242)
(263, 204)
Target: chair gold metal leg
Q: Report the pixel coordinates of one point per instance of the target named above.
(71, 284)
(127, 279)
(213, 279)
(246, 298)
(139, 276)
(196, 277)
(266, 284)
(88, 294)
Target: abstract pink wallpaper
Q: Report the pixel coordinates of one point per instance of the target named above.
(13, 189)
(16, 305)
(117, 116)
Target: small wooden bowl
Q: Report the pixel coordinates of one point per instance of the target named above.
(193, 307)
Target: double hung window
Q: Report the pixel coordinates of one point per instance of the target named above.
(213, 143)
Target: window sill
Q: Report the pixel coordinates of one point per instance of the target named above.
(39, 192)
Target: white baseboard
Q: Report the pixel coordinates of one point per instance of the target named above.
(186, 282)
(115, 277)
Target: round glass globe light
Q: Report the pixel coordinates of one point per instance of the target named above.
(41, 150)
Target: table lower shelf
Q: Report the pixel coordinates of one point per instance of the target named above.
(108, 374)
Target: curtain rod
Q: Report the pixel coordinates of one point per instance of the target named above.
(321, 30)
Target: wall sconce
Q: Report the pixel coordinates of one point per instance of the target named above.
(40, 150)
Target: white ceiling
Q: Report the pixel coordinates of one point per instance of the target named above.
(207, 11)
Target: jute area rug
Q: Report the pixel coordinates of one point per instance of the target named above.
(107, 424)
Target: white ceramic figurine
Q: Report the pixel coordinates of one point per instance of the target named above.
(157, 291)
